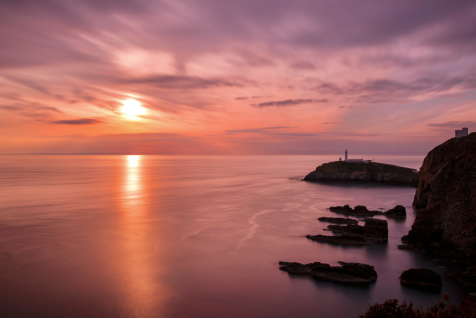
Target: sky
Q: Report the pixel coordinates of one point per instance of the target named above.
(236, 77)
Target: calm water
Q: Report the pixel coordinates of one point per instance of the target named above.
(164, 236)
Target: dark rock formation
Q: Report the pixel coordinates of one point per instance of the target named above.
(347, 273)
(340, 240)
(364, 172)
(423, 277)
(398, 212)
(338, 220)
(358, 210)
(375, 231)
(445, 200)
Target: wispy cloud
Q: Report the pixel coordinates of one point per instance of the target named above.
(78, 122)
(454, 124)
(289, 102)
(34, 110)
(184, 82)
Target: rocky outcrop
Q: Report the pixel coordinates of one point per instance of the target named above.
(375, 231)
(338, 220)
(398, 212)
(340, 240)
(364, 172)
(354, 273)
(359, 210)
(445, 200)
(422, 277)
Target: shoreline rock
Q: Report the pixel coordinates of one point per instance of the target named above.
(422, 277)
(364, 172)
(351, 273)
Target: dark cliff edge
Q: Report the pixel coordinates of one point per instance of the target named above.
(364, 172)
(445, 199)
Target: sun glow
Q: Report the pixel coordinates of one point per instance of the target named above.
(131, 108)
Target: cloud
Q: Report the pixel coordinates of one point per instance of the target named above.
(303, 65)
(78, 122)
(289, 102)
(183, 82)
(262, 130)
(241, 98)
(34, 110)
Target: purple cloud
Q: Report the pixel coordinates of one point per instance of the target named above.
(78, 122)
(289, 102)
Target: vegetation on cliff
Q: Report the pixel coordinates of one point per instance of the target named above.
(364, 172)
(391, 309)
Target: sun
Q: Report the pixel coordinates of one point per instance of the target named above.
(131, 108)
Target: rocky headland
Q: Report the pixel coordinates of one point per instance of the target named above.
(371, 172)
(445, 201)
(375, 231)
(353, 273)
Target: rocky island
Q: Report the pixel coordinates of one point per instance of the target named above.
(369, 172)
(445, 223)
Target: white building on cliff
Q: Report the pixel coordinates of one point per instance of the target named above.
(458, 133)
(347, 159)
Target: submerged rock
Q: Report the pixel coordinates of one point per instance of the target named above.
(364, 172)
(338, 220)
(355, 273)
(423, 277)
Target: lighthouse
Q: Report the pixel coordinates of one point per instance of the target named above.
(346, 156)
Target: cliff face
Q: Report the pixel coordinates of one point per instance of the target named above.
(446, 201)
(364, 172)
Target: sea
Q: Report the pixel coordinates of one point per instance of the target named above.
(190, 236)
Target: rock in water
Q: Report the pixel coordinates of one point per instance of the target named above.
(398, 212)
(358, 210)
(340, 240)
(364, 172)
(338, 220)
(375, 231)
(423, 277)
(347, 273)
(445, 200)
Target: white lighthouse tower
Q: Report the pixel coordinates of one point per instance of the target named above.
(346, 156)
